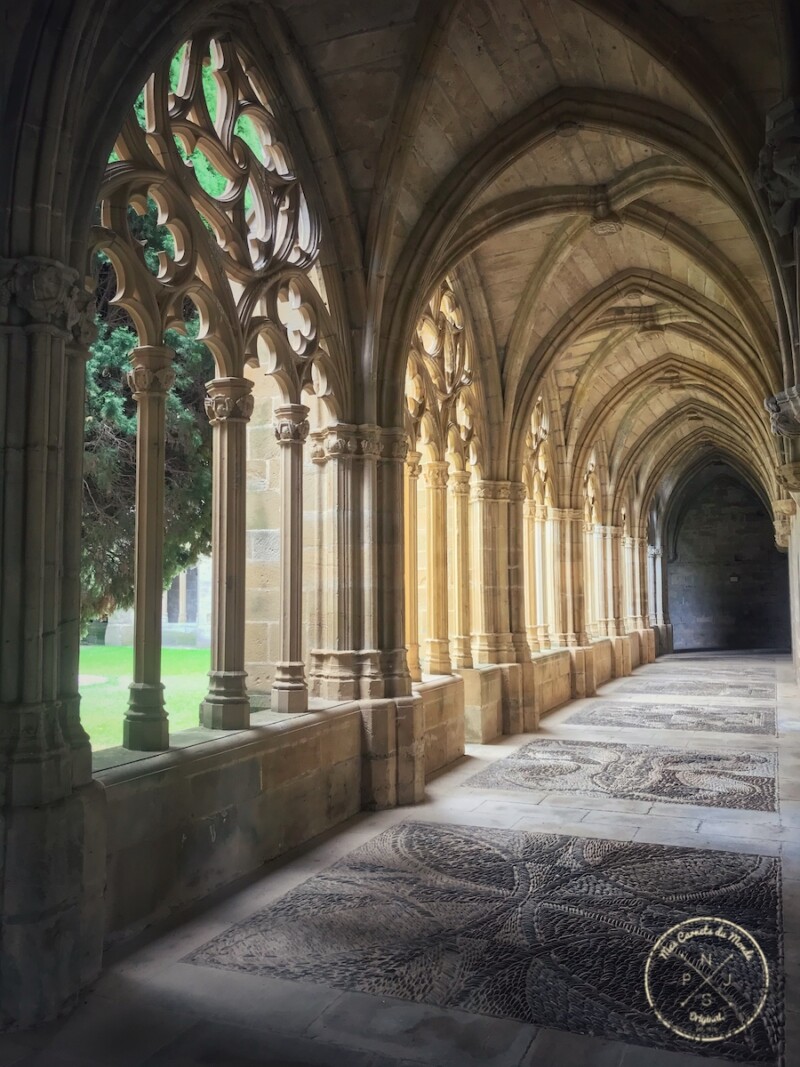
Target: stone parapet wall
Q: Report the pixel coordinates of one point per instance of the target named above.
(183, 824)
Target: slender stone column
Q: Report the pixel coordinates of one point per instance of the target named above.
(412, 471)
(461, 642)
(626, 544)
(516, 573)
(659, 586)
(552, 533)
(589, 580)
(150, 379)
(601, 582)
(651, 585)
(391, 571)
(573, 617)
(492, 634)
(545, 577)
(75, 735)
(531, 549)
(289, 689)
(640, 581)
(436, 657)
(363, 547)
(614, 564)
(229, 406)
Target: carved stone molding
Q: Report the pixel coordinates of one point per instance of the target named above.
(491, 491)
(517, 492)
(784, 412)
(778, 174)
(291, 424)
(789, 476)
(45, 292)
(783, 511)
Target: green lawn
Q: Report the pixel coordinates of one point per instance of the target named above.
(184, 672)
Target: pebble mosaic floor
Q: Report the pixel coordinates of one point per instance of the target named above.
(637, 772)
(549, 930)
(532, 908)
(707, 718)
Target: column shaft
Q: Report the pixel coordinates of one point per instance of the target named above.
(545, 577)
(229, 406)
(460, 641)
(436, 658)
(516, 573)
(531, 549)
(150, 379)
(289, 689)
(491, 630)
(391, 570)
(412, 471)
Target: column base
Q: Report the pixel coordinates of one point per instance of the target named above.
(146, 726)
(77, 740)
(38, 767)
(333, 674)
(227, 706)
(437, 657)
(289, 690)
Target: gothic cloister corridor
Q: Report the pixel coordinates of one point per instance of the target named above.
(156, 1004)
(404, 396)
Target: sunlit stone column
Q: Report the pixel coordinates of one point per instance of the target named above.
(460, 643)
(589, 579)
(531, 548)
(611, 573)
(150, 379)
(363, 548)
(627, 583)
(289, 689)
(552, 534)
(640, 581)
(601, 584)
(491, 631)
(545, 577)
(573, 577)
(516, 573)
(412, 471)
(229, 406)
(436, 656)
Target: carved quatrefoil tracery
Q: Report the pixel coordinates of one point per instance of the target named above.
(205, 151)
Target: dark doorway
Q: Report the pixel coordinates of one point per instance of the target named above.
(728, 583)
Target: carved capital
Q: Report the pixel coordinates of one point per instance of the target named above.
(291, 424)
(414, 464)
(369, 441)
(517, 492)
(491, 491)
(45, 292)
(436, 475)
(783, 511)
(151, 373)
(334, 442)
(459, 483)
(229, 400)
(394, 445)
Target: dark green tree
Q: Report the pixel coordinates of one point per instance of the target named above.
(109, 485)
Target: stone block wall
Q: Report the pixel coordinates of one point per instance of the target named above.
(443, 721)
(552, 685)
(603, 661)
(728, 585)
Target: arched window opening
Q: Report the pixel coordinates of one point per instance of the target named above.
(207, 252)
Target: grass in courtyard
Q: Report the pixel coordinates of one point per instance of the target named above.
(103, 703)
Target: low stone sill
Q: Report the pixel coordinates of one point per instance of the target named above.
(112, 765)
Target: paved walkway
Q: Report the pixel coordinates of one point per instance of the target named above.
(152, 1007)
